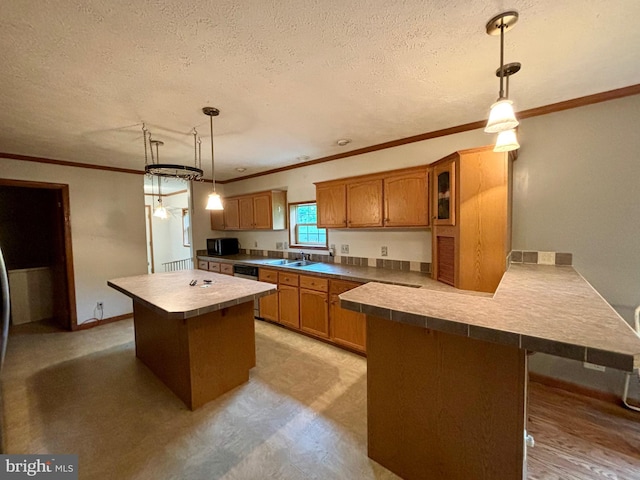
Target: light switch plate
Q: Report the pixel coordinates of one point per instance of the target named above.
(383, 251)
(344, 248)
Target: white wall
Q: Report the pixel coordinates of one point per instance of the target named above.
(575, 190)
(107, 229)
(167, 233)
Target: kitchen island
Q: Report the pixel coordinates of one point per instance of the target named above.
(447, 372)
(198, 339)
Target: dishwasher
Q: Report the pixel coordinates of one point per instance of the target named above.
(250, 273)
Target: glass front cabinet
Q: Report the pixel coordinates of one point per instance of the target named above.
(444, 193)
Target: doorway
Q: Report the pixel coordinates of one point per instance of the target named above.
(35, 235)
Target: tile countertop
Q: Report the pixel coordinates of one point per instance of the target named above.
(341, 271)
(170, 294)
(549, 309)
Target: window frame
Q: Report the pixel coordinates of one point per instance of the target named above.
(293, 228)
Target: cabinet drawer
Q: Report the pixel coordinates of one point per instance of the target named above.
(341, 286)
(266, 275)
(203, 265)
(226, 268)
(288, 279)
(214, 267)
(314, 283)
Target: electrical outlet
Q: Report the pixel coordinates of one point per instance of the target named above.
(278, 245)
(344, 248)
(593, 366)
(100, 305)
(383, 251)
(286, 245)
(255, 244)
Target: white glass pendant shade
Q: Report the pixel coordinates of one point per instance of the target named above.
(160, 212)
(506, 141)
(501, 117)
(214, 202)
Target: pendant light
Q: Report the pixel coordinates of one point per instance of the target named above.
(214, 202)
(501, 116)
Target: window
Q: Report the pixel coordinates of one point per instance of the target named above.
(303, 219)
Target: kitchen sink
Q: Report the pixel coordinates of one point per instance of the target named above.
(285, 261)
(302, 263)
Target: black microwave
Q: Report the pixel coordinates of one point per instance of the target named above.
(222, 246)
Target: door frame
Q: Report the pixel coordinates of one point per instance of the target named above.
(72, 321)
(149, 219)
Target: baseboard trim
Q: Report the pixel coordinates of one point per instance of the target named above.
(96, 322)
(575, 388)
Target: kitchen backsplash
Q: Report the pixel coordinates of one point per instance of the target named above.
(388, 264)
(540, 258)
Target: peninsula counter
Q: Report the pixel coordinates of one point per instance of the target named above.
(447, 372)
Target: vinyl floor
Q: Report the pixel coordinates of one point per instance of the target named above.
(302, 415)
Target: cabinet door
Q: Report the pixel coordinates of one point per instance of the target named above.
(314, 312)
(231, 214)
(406, 200)
(444, 190)
(217, 220)
(269, 307)
(446, 259)
(348, 328)
(203, 265)
(364, 203)
(245, 205)
(262, 211)
(269, 304)
(289, 306)
(226, 268)
(214, 267)
(331, 202)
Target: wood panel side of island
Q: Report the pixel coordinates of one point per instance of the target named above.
(199, 358)
(444, 406)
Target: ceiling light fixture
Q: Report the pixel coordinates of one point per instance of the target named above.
(241, 169)
(214, 202)
(343, 141)
(502, 117)
(156, 168)
(160, 211)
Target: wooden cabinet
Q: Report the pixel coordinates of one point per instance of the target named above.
(289, 306)
(245, 205)
(471, 228)
(331, 201)
(231, 214)
(444, 198)
(269, 304)
(406, 199)
(203, 265)
(364, 203)
(258, 211)
(394, 199)
(314, 306)
(214, 267)
(348, 328)
(226, 268)
(217, 220)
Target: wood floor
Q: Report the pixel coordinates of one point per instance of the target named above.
(302, 415)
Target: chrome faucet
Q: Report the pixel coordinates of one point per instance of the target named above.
(303, 257)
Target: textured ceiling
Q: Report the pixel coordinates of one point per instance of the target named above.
(290, 77)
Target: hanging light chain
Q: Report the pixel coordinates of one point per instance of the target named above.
(144, 139)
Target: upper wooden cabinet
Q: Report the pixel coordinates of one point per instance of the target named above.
(364, 203)
(331, 201)
(471, 228)
(406, 199)
(394, 199)
(258, 211)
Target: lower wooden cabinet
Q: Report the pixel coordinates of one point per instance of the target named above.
(348, 328)
(269, 304)
(289, 306)
(311, 304)
(314, 312)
